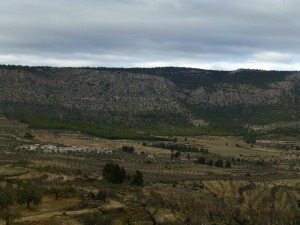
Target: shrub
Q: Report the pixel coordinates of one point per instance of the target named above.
(219, 163)
(210, 162)
(128, 149)
(113, 173)
(177, 154)
(28, 135)
(201, 160)
(227, 164)
(137, 178)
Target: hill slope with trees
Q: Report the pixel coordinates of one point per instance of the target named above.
(167, 97)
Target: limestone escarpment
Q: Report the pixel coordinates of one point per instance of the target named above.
(105, 92)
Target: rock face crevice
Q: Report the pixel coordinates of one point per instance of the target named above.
(102, 91)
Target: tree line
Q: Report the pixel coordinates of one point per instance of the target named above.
(179, 147)
(218, 163)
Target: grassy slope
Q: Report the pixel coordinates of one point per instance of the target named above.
(100, 131)
(110, 132)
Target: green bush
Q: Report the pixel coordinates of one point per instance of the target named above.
(201, 160)
(128, 149)
(113, 173)
(219, 163)
(137, 179)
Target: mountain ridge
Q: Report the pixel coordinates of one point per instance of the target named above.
(172, 96)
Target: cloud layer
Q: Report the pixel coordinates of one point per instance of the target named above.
(211, 34)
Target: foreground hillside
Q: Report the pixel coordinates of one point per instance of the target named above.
(158, 97)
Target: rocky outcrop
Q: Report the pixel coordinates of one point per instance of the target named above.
(89, 90)
(226, 94)
(231, 94)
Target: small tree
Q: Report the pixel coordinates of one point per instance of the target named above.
(250, 137)
(219, 163)
(201, 160)
(6, 200)
(28, 135)
(137, 179)
(260, 163)
(29, 193)
(227, 164)
(145, 204)
(128, 149)
(177, 154)
(113, 173)
(210, 162)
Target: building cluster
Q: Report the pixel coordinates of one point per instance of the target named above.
(62, 149)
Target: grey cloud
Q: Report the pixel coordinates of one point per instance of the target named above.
(166, 32)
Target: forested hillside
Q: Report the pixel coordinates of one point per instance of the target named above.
(150, 98)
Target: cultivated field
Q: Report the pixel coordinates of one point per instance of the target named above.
(259, 182)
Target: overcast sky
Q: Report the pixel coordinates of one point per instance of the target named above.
(210, 34)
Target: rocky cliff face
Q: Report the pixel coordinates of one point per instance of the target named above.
(121, 91)
(225, 94)
(89, 90)
(240, 93)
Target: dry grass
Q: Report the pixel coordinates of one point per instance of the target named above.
(75, 139)
(50, 211)
(10, 171)
(48, 205)
(227, 146)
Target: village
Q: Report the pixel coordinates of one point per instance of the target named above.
(49, 148)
